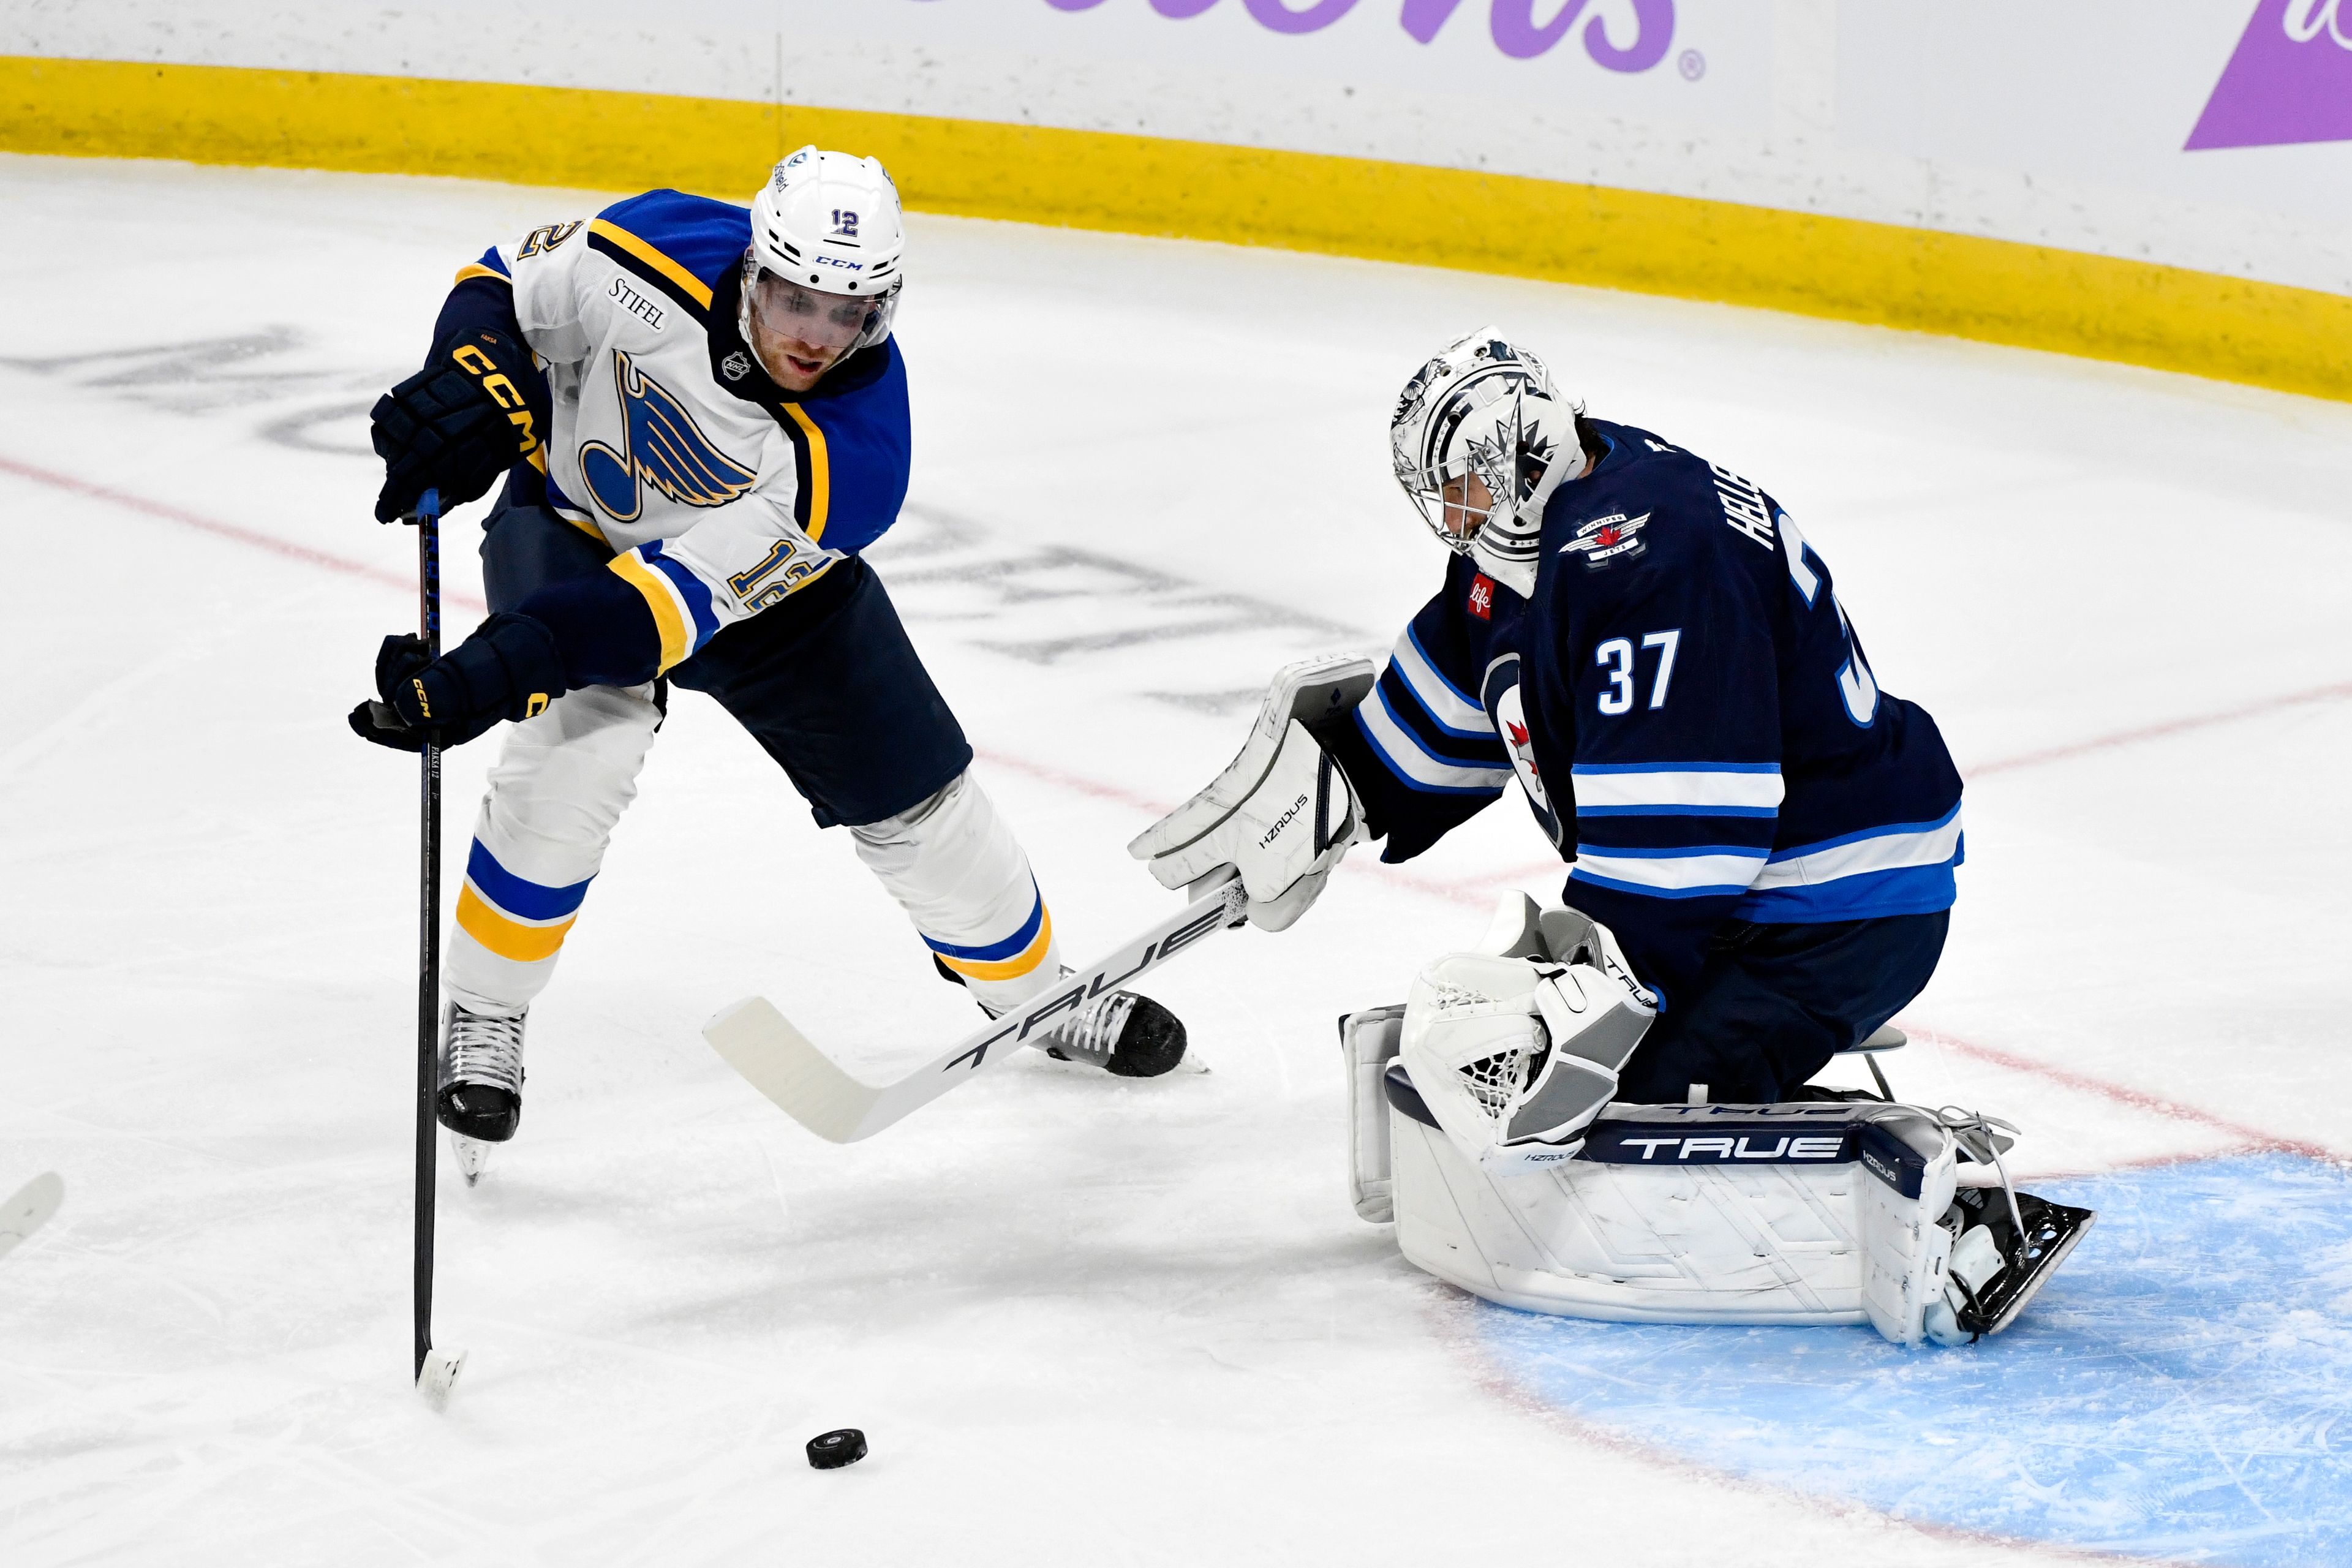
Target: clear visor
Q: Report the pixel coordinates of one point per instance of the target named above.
(1454, 497)
(830, 322)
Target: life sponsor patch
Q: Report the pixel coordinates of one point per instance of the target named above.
(1606, 539)
(1482, 596)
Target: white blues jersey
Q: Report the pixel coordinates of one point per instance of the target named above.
(1686, 708)
(720, 493)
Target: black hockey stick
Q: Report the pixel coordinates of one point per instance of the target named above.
(436, 1370)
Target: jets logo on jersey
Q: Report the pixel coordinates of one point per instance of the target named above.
(1509, 709)
(1607, 538)
(661, 446)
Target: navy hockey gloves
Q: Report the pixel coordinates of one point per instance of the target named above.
(479, 405)
(507, 669)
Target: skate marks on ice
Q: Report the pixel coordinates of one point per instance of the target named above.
(269, 378)
(2182, 1389)
(1054, 604)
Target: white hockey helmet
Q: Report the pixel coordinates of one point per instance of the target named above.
(1485, 408)
(826, 241)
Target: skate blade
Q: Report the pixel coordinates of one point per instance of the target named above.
(472, 1154)
(438, 1377)
(2046, 1267)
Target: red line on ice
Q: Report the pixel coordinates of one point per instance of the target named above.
(2123, 1094)
(2331, 693)
(1478, 892)
(169, 513)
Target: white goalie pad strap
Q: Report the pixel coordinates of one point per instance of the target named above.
(1368, 1043)
(1777, 1213)
(1907, 1249)
(1282, 812)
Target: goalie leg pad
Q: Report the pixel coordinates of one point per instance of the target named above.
(1368, 1044)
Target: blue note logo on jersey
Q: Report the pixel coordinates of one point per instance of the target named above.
(661, 446)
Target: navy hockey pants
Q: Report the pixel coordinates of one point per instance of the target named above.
(1775, 1003)
(826, 681)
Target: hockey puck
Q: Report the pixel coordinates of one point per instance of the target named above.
(830, 1450)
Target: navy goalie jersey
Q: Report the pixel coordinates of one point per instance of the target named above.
(1686, 708)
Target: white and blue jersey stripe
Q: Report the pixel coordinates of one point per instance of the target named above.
(1427, 733)
(1689, 712)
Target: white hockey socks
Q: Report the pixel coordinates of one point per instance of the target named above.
(561, 784)
(961, 877)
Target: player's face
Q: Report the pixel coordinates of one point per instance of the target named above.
(1467, 502)
(798, 334)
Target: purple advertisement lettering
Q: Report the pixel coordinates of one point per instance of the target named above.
(2289, 81)
(1512, 22)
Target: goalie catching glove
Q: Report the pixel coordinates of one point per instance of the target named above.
(1282, 813)
(1516, 1048)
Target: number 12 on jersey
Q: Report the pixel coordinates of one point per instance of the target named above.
(1616, 658)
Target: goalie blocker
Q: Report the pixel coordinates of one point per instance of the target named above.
(1840, 1210)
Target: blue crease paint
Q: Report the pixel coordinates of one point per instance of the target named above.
(2182, 1389)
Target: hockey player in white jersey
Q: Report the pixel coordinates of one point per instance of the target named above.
(700, 413)
(1607, 1108)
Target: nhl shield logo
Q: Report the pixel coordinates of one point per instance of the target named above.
(735, 366)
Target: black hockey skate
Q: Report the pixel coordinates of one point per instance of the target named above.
(1994, 1288)
(1125, 1035)
(480, 1092)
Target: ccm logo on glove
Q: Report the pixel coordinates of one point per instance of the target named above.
(503, 392)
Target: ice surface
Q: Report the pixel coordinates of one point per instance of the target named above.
(1080, 1320)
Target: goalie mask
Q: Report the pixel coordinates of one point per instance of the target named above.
(1483, 416)
(823, 268)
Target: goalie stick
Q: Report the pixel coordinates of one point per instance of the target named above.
(835, 1103)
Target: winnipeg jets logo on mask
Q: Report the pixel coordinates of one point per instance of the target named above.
(661, 446)
(1606, 539)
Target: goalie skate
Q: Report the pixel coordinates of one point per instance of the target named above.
(1994, 1271)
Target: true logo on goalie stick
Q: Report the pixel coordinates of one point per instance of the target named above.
(1044, 1015)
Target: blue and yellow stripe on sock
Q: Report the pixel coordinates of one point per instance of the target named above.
(513, 917)
(1017, 955)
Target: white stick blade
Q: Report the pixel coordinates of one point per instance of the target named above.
(30, 1209)
(438, 1377)
(779, 1061)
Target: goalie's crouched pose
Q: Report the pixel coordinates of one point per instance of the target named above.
(1643, 640)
